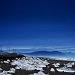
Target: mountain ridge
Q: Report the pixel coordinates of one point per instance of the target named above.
(47, 53)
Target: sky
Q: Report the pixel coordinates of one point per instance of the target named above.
(37, 23)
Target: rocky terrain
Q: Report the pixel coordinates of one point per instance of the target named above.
(14, 64)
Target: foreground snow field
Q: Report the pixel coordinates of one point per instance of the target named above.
(30, 63)
(36, 66)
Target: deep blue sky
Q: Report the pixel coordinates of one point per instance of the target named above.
(37, 22)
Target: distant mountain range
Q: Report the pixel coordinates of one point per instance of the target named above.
(41, 53)
(46, 53)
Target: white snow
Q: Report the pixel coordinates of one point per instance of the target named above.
(56, 64)
(17, 67)
(69, 64)
(12, 70)
(35, 63)
(39, 73)
(52, 70)
(30, 63)
(65, 69)
(8, 61)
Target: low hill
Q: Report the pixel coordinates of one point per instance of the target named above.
(46, 53)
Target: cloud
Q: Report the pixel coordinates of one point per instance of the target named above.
(49, 48)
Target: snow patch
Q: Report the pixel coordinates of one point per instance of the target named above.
(65, 69)
(52, 70)
(30, 63)
(56, 64)
(39, 73)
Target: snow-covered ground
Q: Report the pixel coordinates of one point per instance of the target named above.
(30, 63)
(39, 73)
(26, 63)
(52, 70)
(65, 69)
(56, 64)
(12, 70)
(36, 63)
